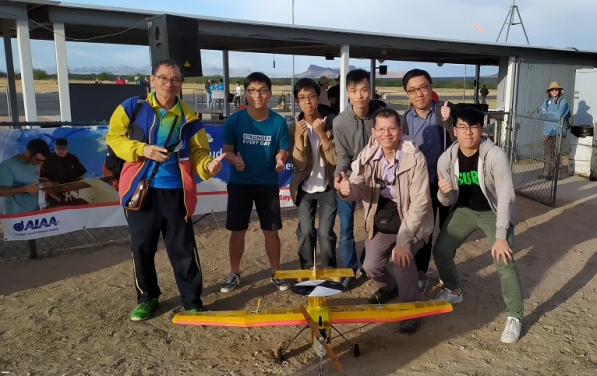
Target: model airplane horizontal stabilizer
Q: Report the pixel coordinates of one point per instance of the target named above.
(365, 313)
(317, 288)
(317, 274)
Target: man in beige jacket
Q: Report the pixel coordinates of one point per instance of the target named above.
(390, 177)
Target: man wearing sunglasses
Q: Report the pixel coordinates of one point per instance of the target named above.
(19, 178)
(429, 123)
(475, 178)
(167, 145)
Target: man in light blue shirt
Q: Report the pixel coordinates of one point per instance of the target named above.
(19, 178)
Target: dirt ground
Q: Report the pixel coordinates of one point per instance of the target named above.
(69, 314)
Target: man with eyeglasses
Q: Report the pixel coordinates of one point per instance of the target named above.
(166, 145)
(475, 178)
(19, 178)
(313, 154)
(429, 123)
(352, 131)
(256, 146)
(390, 177)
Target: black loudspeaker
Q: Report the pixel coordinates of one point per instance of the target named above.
(176, 38)
(383, 70)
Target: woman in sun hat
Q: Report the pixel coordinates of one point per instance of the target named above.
(554, 108)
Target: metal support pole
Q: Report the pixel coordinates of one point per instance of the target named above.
(25, 60)
(62, 71)
(226, 82)
(477, 84)
(11, 86)
(32, 249)
(372, 78)
(344, 66)
(292, 99)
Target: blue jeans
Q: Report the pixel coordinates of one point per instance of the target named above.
(307, 234)
(348, 250)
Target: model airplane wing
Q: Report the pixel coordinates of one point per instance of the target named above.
(247, 319)
(367, 313)
(310, 274)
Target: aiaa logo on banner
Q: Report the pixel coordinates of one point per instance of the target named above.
(35, 224)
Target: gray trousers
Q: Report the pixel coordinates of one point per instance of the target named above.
(386, 274)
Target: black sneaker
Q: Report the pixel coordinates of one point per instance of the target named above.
(382, 296)
(232, 280)
(409, 326)
(281, 284)
(347, 283)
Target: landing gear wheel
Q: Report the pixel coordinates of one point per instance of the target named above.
(355, 350)
(280, 355)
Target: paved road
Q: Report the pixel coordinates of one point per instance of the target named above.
(48, 103)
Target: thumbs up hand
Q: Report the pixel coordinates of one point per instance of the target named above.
(443, 184)
(216, 164)
(239, 163)
(344, 185)
(446, 111)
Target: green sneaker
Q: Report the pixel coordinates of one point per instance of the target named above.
(195, 310)
(143, 310)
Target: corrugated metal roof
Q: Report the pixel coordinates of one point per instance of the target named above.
(90, 21)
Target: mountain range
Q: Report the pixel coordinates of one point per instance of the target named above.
(313, 71)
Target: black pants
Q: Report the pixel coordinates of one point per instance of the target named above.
(423, 256)
(164, 212)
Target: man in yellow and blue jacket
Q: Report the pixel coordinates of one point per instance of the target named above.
(163, 120)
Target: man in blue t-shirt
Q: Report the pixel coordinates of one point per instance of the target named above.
(19, 178)
(256, 146)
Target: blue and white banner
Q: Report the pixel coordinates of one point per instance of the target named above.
(89, 145)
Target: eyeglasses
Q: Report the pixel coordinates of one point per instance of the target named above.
(174, 81)
(391, 130)
(38, 160)
(472, 128)
(308, 98)
(263, 91)
(424, 89)
(554, 89)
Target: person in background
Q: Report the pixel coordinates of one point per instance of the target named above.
(554, 108)
(324, 84)
(120, 81)
(239, 91)
(475, 179)
(208, 94)
(334, 95)
(61, 166)
(19, 178)
(313, 156)
(484, 92)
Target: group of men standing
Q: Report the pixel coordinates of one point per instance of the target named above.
(406, 170)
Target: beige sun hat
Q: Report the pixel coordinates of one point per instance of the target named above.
(323, 80)
(554, 85)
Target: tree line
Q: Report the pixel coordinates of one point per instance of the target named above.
(439, 82)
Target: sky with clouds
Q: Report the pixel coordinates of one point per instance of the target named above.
(556, 23)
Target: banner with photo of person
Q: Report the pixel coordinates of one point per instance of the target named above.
(93, 202)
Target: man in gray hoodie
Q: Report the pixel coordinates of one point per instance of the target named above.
(352, 130)
(474, 177)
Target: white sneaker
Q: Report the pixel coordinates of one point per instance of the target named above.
(446, 294)
(511, 332)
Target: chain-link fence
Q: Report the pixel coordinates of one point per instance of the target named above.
(534, 148)
(496, 127)
(101, 237)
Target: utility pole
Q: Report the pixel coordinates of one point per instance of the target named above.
(510, 22)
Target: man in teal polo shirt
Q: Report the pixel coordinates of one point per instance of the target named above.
(19, 178)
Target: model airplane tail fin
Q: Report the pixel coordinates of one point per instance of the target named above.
(310, 274)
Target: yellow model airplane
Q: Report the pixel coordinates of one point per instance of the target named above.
(317, 315)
